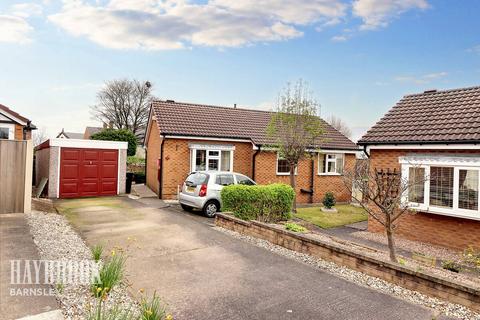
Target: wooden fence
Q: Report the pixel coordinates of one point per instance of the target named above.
(16, 160)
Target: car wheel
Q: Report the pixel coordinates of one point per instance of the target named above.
(211, 208)
(186, 208)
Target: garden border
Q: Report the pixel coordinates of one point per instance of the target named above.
(414, 280)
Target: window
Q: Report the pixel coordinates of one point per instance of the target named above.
(224, 179)
(330, 163)
(416, 179)
(215, 160)
(244, 180)
(4, 133)
(448, 185)
(468, 189)
(441, 187)
(283, 167)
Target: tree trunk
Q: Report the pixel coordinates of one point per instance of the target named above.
(391, 243)
(293, 185)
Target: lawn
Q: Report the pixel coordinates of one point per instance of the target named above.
(346, 214)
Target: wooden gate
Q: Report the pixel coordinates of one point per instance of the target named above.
(16, 157)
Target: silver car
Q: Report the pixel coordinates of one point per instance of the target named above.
(201, 190)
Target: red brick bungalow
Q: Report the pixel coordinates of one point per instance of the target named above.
(435, 134)
(183, 137)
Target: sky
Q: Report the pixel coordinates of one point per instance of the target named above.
(358, 56)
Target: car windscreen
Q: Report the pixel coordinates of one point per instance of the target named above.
(196, 178)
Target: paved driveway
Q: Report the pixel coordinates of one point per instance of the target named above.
(204, 274)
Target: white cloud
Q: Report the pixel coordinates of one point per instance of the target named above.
(475, 49)
(423, 79)
(26, 10)
(339, 38)
(14, 29)
(378, 13)
(173, 24)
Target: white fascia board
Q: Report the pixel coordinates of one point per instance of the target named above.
(84, 143)
(206, 138)
(424, 147)
(440, 160)
(9, 115)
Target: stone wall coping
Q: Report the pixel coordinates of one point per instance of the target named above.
(381, 263)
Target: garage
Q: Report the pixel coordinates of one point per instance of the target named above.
(72, 168)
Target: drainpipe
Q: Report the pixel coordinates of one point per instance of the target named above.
(312, 178)
(254, 157)
(160, 171)
(365, 151)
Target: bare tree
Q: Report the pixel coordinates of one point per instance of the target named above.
(340, 125)
(39, 136)
(383, 194)
(125, 104)
(295, 126)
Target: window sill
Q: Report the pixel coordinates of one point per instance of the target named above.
(474, 215)
(285, 174)
(330, 174)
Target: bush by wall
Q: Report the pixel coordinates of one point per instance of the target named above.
(267, 203)
(118, 135)
(329, 200)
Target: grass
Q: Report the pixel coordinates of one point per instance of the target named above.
(97, 251)
(346, 214)
(152, 309)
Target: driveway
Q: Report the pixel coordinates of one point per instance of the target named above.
(202, 273)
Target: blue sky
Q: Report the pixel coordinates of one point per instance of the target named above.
(359, 56)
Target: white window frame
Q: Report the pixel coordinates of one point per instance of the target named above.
(208, 148)
(283, 173)
(11, 129)
(457, 163)
(325, 158)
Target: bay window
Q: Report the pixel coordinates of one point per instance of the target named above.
(330, 163)
(444, 185)
(211, 157)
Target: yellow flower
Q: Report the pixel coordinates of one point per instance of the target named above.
(113, 253)
(141, 290)
(149, 312)
(99, 289)
(169, 317)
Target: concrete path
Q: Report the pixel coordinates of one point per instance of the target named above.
(16, 243)
(204, 274)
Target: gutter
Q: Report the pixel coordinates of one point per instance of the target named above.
(160, 171)
(253, 160)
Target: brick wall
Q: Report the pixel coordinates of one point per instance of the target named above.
(266, 172)
(176, 162)
(451, 232)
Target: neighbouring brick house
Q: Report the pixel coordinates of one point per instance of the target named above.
(182, 137)
(13, 126)
(436, 136)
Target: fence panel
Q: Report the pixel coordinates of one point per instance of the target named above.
(15, 176)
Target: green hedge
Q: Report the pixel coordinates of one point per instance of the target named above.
(267, 203)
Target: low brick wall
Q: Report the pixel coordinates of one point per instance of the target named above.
(402, 276)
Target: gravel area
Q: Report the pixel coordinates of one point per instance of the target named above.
(440, 307)
(413, 246)
(56, 240)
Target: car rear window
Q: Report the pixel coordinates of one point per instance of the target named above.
(196, 178)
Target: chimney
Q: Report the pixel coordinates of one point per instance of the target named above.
(110, 124)
(234, 106)
(104, 125)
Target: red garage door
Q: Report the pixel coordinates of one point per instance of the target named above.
(88, 172)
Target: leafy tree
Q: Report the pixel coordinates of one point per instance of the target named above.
(125, 104)
(118, 135)
(294, 126)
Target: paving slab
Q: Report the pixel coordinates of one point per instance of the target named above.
(16, 243)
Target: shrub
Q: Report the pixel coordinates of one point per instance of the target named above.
(118, 135)
(451, 265)
(329, 200)
(268, 203)
(295, 227)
